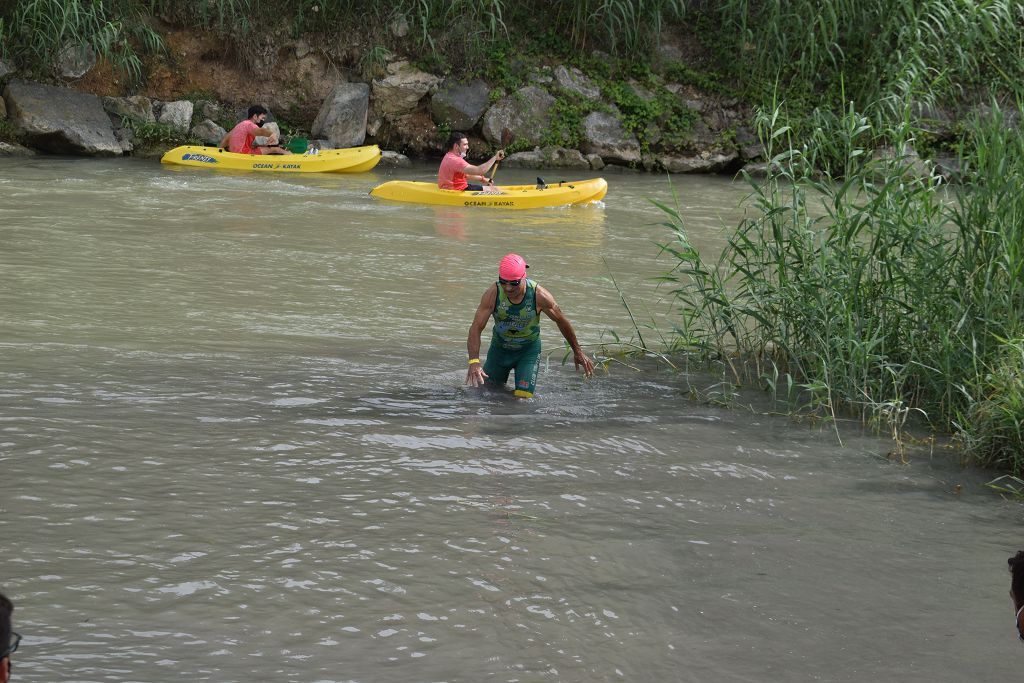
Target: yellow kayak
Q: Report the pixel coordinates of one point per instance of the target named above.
(352, 160)
(511, 197)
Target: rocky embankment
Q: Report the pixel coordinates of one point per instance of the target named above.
(406, 110)
(411, 112)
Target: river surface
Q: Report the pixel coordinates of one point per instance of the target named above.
(235, 445)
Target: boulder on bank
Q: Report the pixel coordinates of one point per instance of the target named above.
(411, 133)
(262, 140)
(136, 108)
(127, 139)
(209, 132)
(549, 157)
(750, 147)
(177, 114)
(706, 162)
(342, 118)
(604, 135)
(401, 91)
(9, 149)
(526, 114)
(61, 120)
(75, 60)
(575, 81)
(459, 105)
(396, 159)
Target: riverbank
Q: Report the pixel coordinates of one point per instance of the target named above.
(679, 105)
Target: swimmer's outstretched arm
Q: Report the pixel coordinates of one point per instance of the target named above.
(547, 304)
(475, 374)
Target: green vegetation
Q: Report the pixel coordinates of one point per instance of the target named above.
(33, 33)
(882, 55)
(160, 135)
(459, 35)
(884, 293)
(8, 133)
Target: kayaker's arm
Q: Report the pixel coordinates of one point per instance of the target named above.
(546, 303)
(475, 374)
(268, 133)
(484, 167)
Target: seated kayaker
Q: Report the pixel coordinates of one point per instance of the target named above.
(455, 171)
(240, 139)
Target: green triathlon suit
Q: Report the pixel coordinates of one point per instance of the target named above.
(515, 342)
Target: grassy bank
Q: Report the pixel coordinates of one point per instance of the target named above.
(894, 60)
(877, 292)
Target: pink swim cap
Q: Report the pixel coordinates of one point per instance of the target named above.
(512, 267)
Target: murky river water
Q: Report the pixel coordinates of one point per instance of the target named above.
(235, 446)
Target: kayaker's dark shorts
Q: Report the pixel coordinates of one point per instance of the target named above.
(470, 187)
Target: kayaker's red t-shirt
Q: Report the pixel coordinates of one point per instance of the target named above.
(450, 175)
(242, 138)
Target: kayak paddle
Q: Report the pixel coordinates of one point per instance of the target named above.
(506, 140)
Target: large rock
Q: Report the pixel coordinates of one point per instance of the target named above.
(5, 69)
(75, 60)
(209, 132)
(61, 120)
(549, 157)
(177, 114)
(397, 159)
(127, 139)
(401, 91)
(604, 135)
(207, 109)
(264, 140)
(749, 145)
(886, 159)
(948, 167)
(575, 81)
(526, 114)
(413, 133)
(10, 149)
(342, 118)
(706, 162)
(459, 105)
(136, 108)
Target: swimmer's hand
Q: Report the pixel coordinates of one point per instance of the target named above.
(475, 375)
(580, 358)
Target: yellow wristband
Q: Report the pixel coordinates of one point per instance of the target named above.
(474, 360)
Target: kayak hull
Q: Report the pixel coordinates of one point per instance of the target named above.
(511, 197)
(351, 160)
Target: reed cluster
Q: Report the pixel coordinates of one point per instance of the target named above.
(882, 292)
(454, 33)
(34, 32)
(884, 52)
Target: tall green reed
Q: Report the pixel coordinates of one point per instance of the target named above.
(888, 52)
(35, 32)
(878, 292)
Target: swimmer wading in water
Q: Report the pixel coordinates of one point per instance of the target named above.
(516, 303)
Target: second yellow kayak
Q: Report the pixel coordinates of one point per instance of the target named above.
(351, 160)
(511, 197)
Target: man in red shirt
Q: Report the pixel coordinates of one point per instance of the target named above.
(241, 137)
(455, 171)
